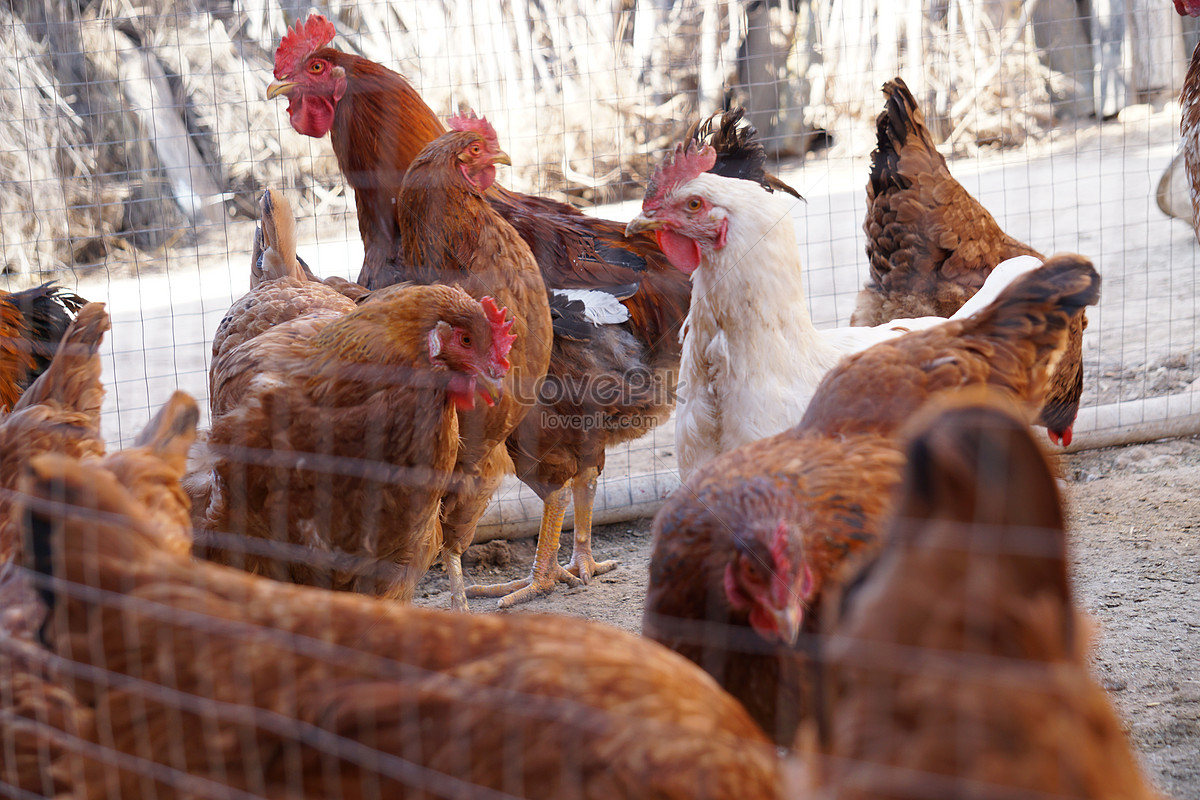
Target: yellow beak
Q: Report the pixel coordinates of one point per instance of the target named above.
(502, 158)
(276, 88)
(788, 621)
(642, 223)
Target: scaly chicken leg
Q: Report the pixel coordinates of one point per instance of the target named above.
(582, 565)
(546, 569)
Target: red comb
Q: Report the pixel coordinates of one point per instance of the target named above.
(502, 337)
(470, 122)
(301, 40)
(680, 166)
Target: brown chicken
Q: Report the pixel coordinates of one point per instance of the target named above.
(609, 382)
(212, 678)
(41, 720)
(450, 234)
(32, 323)
(336, 433)
(1189, 123)
(959, 668)
(745, 551)
(931, 244)
(59, 413)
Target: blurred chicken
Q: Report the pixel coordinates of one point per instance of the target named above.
(960, 668)
(32, 323)
(751, 355)
(42, 723)
(214, 678)
(156, 463)
(336, 431)
(746, 550)
(59, 413)
(931, 245)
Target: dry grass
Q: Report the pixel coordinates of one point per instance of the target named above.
(584, 94)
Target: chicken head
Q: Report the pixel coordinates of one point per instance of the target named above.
(306, 73)
(474, 349)
(686, 221)
(479, 154)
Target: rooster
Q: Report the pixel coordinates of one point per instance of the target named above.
(203, 676)
(959, 667)
(746, 375)
(746, 550)
(1189, 123)
(32, 323)
(336, 430)
(931, 245)
(58, 413)
(378, 124)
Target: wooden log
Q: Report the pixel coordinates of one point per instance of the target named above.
(1157, 48)
(1065, 45)
(1111, 89)
(145, 87)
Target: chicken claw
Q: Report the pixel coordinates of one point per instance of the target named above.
(582, 564)
(546, 569)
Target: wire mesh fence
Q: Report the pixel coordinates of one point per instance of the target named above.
(138, 139)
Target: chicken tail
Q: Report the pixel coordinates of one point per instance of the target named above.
(172, 431)
(900, 124)
(275, 242)
(36, 320)
(1041, 305)
(740, 153)
(73, 377)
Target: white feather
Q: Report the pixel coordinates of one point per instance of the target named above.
(601, 308)
(752, 359)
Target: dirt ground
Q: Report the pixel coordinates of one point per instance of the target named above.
(1135, 544)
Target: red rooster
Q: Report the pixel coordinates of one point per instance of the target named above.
(378, 124)
(1189, 125)
(32, 323)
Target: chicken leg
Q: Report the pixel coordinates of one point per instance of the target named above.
(546, 569)
(582, 565)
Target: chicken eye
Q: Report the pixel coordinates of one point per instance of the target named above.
(464, 339)
(316, 67)
(476, 149)
(694, 204)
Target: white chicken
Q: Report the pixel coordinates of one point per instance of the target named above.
(752, 358)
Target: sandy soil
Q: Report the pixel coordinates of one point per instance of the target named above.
(1136, 563)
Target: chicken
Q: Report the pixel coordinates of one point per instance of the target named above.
(1189, 123)
(452, 235)
(336, 432)
(959, 667)
(931, 245)
(378, 124)
(32, 323)
(746, 550)
(59, 412)
(41, 721)
(39, 714)
(751, 356)
(209, 677)
(607, 378)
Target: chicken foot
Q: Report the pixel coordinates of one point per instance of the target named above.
(582, 564)
(546, 569)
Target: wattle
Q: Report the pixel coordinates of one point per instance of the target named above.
(682, 252)
(311, 116)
